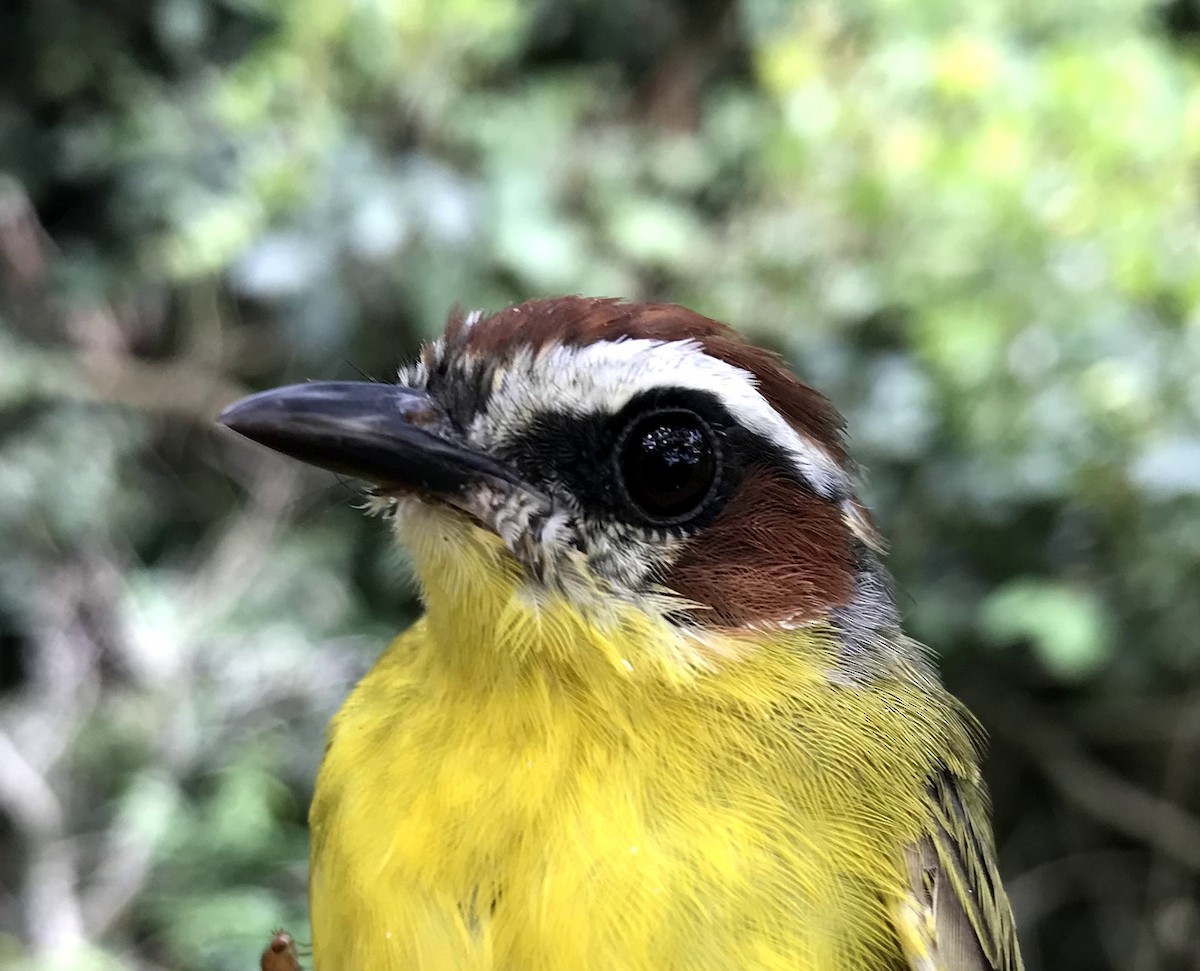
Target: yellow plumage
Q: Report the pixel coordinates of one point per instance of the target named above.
(520, 786)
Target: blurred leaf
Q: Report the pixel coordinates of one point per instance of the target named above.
(223, 929)
(1170, 467)
(655, 232)
(1068, 627)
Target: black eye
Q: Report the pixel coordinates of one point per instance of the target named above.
(667, 464)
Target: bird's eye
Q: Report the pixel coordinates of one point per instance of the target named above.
(667, 465)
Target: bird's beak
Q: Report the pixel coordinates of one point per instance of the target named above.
(396, 438)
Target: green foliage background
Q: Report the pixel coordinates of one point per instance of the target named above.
(974, 226)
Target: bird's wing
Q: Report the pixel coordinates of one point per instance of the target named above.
(956, 916)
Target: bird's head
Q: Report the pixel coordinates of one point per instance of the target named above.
(602, 464)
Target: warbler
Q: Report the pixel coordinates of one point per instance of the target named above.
(659, 713)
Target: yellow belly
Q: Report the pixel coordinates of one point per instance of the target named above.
(524, 820)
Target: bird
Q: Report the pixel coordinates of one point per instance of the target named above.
(659, 712)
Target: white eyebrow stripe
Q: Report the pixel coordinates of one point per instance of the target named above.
(603, 377)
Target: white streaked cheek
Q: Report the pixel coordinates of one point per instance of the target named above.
(557, 530)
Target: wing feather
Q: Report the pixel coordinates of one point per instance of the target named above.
(956, 916)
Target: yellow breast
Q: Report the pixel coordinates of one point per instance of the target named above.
(580, 803)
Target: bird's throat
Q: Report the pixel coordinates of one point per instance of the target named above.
(489, 618)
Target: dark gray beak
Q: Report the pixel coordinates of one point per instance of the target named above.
(394, 437)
